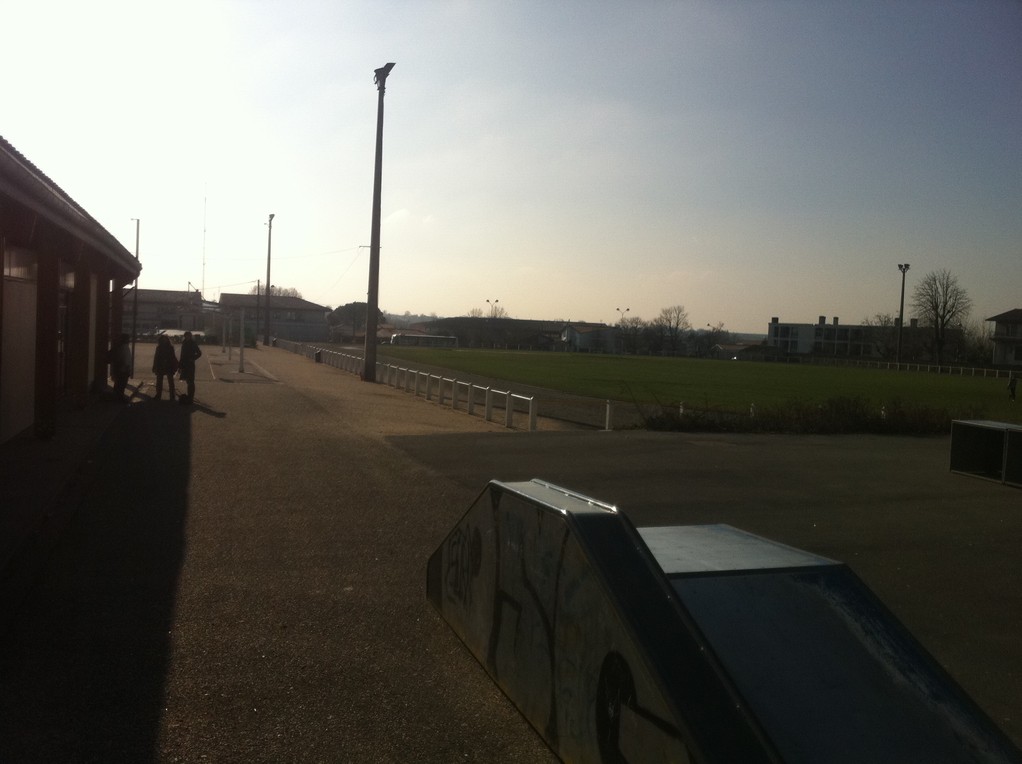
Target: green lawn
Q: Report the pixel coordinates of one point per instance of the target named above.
(730, 385)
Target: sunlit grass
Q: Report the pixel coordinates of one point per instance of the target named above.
(728, 385)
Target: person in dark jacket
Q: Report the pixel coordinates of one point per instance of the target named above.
(189, 354)
(164, 365)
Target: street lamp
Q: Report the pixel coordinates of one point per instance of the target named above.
(269, 247)
(493, 307)
(621, 314)
(373, 299)
(901, 309)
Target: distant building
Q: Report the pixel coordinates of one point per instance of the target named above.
(473, 332)
(163, 309)
(598, 338)
(291, 318)
(61, 297)
(821, 339)
(1007, 338)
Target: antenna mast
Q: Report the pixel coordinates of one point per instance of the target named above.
(203, 241)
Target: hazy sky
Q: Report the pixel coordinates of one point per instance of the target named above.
(743, 159)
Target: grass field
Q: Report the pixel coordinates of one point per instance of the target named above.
(728, 385)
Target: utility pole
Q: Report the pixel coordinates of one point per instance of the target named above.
(269, 247)
(134, 308)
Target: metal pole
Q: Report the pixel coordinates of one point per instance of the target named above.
(269, 247)
(241, 345)
(134, 309)
(373, 299)
(259, 297)
(901, 310)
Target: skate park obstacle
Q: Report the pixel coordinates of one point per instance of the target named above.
(690, 643)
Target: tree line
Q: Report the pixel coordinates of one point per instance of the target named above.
(943, 334)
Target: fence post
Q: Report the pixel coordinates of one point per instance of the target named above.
(470, 398)
(489, 404)
(608, 423)
(509, 410)
(532, 414)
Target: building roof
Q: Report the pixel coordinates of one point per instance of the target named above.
(29, 186)
(1011, 317)
(168, 296)
(277, 302)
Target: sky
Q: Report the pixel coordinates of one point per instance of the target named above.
(571, 160)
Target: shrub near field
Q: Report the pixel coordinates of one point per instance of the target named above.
(785, 396)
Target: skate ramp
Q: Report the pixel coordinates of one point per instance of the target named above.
(690, 643)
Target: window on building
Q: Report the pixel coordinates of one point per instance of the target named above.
(19, 264)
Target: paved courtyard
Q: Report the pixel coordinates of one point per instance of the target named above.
(244, 579)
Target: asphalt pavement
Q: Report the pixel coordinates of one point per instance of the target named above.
(243, 579)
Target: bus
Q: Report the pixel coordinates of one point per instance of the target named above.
(424, 340)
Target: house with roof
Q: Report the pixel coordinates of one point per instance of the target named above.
(61, 295)
(159, 310)
(291, 318)
(1007, 338)
(591, 338)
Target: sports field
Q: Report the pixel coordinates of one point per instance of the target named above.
(729, 385)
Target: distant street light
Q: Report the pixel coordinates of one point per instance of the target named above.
(493, 307)
(269, 248)
(373, 299)
(901, 309)
(621, 314)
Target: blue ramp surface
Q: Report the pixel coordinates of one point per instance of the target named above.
(690, 643)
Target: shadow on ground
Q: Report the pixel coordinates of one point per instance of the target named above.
(82, 668)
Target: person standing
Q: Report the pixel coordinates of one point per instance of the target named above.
(120, 366)
(1012, 383)
(164, 365)
(189, 354)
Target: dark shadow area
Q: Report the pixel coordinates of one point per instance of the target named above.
(84, 660)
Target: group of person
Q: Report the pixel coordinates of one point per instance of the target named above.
(165, 365)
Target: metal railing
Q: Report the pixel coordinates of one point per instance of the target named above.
(446, 391)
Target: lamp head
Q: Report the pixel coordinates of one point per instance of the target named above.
(381, 74)
(273, 216)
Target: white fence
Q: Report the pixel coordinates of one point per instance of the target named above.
(446, 391)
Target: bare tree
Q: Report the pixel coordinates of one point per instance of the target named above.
(276, 291)
(942, 304)
(672, 322)
(881, 332)
(630, 327)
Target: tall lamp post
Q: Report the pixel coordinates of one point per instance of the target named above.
(373, 299)
(493, 307)
(901, 310)
(269, 247)
(620, 320)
